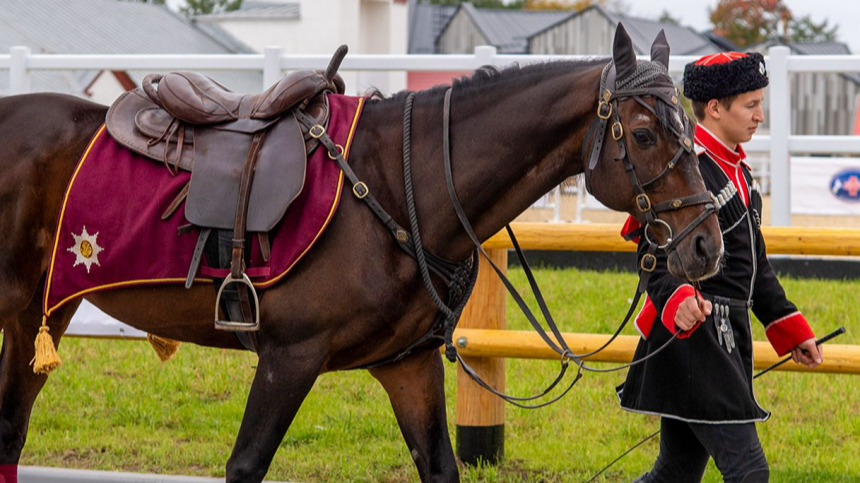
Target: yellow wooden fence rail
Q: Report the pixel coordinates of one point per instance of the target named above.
(483, 342)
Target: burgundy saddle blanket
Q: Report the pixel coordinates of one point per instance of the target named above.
(110, 233)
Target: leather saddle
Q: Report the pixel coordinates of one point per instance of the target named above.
(247, 154)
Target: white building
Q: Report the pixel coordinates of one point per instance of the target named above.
(319, 27)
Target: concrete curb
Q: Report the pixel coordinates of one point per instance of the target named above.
(33, 474)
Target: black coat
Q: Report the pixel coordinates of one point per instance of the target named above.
(697, 378)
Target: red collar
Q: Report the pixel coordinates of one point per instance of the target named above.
(717, 149)
(726, 158)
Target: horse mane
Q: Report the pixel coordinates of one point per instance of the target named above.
(489, 75)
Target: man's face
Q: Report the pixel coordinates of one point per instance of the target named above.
(740, 121)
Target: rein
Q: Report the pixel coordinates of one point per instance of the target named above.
(607, 108)
(559, 345)
(460, 278)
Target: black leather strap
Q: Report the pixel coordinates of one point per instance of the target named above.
(197, 256)
(441, 267)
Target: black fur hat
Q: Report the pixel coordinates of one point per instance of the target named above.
(725, 74)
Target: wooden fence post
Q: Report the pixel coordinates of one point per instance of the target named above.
(480, 414)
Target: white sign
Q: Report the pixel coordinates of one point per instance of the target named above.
(90, 321)
(825, 186)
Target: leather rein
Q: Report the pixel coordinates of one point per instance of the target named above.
(460, 278)
(607, 109)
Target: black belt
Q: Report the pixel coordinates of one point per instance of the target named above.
(736, 303)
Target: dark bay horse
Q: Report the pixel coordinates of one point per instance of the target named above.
(356, 298)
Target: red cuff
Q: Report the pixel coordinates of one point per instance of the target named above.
(632, 224)
(787, 332)
(645, 318)
(671, 308)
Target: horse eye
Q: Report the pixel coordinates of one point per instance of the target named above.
(643, 136)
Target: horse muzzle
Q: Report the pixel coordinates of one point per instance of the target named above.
(698, 256)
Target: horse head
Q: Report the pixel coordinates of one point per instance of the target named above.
(644, 136)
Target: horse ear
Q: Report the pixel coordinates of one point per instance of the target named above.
(623, 54)
(660, 49)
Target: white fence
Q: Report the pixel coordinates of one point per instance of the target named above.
(779, 144)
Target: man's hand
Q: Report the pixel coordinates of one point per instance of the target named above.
(693, 309)
(807, 353)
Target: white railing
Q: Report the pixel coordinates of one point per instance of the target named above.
(779, 144)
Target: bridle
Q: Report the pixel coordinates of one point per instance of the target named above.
(607, 109)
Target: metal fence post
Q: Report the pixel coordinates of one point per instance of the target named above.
(481, 414)
(19, 77)
(271, 65)
(780, 130)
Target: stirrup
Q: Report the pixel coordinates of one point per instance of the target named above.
(231, 324)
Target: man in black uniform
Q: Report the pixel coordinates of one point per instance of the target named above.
(701, 384)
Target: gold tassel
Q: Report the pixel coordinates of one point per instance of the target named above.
(46, 359)
(165, 348)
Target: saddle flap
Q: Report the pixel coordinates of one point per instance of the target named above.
(278, 178)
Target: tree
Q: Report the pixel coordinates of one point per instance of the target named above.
(748, 22)
(517, 4)
(556, 4)
(804, 30)
(203, 7)
(612, 5)
(154, 2)
(666, 17)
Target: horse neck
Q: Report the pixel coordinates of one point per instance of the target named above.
(513, 138)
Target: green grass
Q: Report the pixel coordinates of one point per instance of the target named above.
(114, 406)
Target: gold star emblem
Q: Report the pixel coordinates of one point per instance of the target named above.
(86, 249)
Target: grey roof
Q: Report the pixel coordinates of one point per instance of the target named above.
(682, 40)
(720, 41)
(426, 21)
(256, 11)
(509, 30)
(108, 27)
(821, 48)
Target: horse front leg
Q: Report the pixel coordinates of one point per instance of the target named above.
(416, 389)
(19, 386)
(281, 383)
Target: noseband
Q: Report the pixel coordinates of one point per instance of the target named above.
(607, 109)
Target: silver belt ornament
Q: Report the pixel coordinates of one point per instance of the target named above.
(725, 335)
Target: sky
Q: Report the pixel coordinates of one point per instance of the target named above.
(694, 13)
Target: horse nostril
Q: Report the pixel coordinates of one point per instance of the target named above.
(701, 248)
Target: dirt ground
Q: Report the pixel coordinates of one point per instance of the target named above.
(568, 214)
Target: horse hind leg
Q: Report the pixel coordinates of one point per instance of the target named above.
(19, 386)
(416, 389)
(281, 383)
